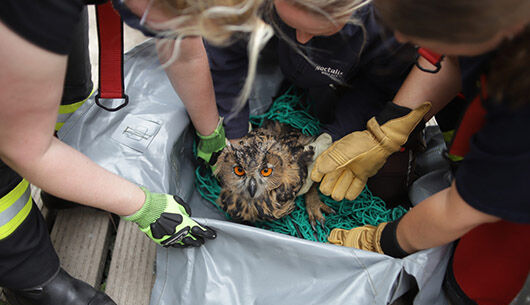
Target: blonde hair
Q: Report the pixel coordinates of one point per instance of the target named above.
(330, 9)
(219, 22)
(222, 21)
(215, 20)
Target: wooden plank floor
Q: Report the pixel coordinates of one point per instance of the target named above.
(132, 270)
(109, 254)
(119, 261)
(81, 238)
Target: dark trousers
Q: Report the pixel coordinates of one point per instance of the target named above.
(27, 256)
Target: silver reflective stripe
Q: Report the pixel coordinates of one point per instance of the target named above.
(62, 117)
(15, 208)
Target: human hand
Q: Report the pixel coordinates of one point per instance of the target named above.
(367, 237)
(380, 239)
(345, 167)
(210, 146)
(166, 220)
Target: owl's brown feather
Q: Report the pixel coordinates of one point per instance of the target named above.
(274, 146)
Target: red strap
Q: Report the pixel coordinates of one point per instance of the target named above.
(473, 120)
(432, 57)
(110, 33)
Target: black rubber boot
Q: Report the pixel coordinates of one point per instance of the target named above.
(60, 289)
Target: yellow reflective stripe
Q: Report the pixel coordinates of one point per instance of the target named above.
(448, 138)
(58, 126)
(71, 108)
(65, 111)
(448, 135)
(13, 224)
(14, 195)
(14, 208)
(455, 158)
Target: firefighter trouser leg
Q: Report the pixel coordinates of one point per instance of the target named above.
(78, 82)
(27, 257)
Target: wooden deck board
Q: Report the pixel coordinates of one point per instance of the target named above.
(35, 194)
(81, 238)
(131, 273)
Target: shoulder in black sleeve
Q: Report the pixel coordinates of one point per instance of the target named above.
(494, 177)
(48, 24)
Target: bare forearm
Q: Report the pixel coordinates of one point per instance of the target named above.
(439, 219)
(190, 76)
(66, 173)
(32, 79)
(438, 88)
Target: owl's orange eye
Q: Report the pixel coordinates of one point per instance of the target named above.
(266, 172)
(238, 170)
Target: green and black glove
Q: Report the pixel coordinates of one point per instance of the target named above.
(210, 146)
(166, 220)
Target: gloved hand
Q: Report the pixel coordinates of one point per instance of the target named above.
(365, 238)
(166, 220)
(212, 145)
(345, 167)
(380, 239)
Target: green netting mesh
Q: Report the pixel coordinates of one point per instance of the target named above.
(365, 209)
(289, 110)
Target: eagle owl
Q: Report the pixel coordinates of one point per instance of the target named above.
(261, 175)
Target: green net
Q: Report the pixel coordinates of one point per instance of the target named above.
(365, 209)
(289, 110)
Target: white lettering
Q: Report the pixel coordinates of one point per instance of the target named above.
(328, 71)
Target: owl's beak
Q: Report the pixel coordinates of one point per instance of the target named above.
(252, 186)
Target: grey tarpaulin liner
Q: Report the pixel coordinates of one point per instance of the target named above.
(149, 142)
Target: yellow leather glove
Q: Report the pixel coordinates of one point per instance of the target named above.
(365, 238)
(345, 167)
(380, 239)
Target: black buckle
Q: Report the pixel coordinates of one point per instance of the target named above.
(124, 101)
(437, 65)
